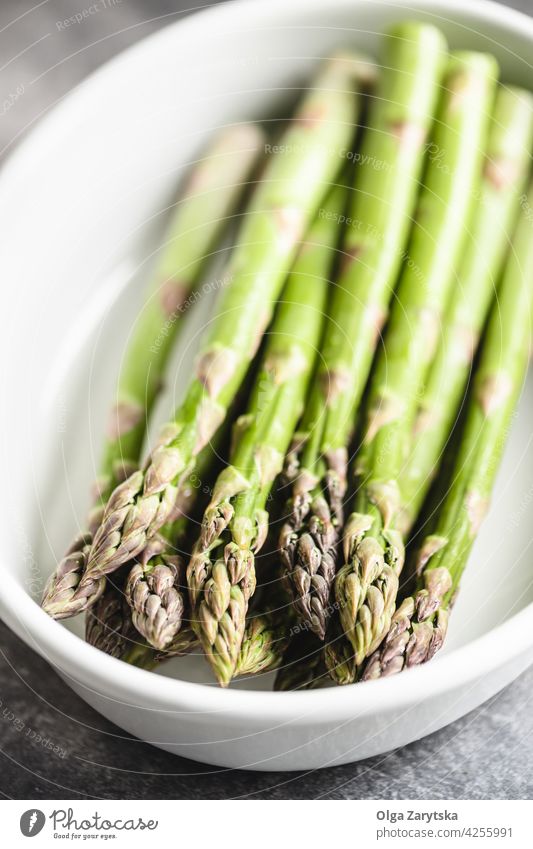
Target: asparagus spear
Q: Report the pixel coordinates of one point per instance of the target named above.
(382, 206)
(367, 585)
(156, 587)
(221, 573)
(211, 194)
(339, 655)
(108, 624)
(109, 628)
(419, 626)
(269, 631)
(264, 644)
(504, 175)
(284, 203)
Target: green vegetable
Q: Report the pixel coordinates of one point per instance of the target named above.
(284, 203)
(505, 171)
(221, 573)
(214, 189)
(386, 183)
(419, 626)
(367, 585)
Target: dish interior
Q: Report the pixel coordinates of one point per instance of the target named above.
(94, 215)
(497, 583)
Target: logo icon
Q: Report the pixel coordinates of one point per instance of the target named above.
(32, 822)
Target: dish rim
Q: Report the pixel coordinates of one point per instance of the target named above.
(71, 655)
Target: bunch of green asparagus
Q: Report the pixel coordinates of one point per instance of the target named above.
(366, 354)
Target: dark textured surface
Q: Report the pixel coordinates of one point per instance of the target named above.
(487, 754)
(52, 745)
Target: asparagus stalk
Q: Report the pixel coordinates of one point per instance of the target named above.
(386, 182)
(504, 172)
(339, 655)
(156, 587)
(211, 195)
(221, 573)
(265, 640)
(107, 623)
(504, 175)
(284, 203)
(109, 628)
(269, 631)
(366, 586)
(419, 626)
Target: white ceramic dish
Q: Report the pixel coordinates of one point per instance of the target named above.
(76, 201)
